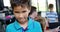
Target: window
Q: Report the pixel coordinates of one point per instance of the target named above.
(42, 5)
(7, 3)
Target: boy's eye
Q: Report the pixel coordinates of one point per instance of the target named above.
(23, 11)
(17, 12)
(20, 12)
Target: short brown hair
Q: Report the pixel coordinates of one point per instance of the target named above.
(22, 3)
(50, 5)
(33, 9)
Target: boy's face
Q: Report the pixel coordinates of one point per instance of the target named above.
(34, 14)
(51, 9)
(21, 13)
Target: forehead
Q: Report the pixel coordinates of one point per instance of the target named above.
(19, 8)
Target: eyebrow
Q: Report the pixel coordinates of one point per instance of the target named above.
(16, 11)
(22, 11)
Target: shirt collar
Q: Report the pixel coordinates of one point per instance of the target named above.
(30, 22)
(17, 25)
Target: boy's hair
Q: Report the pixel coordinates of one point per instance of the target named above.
(50, 5)
(22, 3)
(39, 13)
(33, 9)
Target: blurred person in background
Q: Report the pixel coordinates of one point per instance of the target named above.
(52, 19)
(41, 20)
(23, 23)
(33, 13)
(37, 17)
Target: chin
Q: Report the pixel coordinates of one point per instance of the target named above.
(22, 21)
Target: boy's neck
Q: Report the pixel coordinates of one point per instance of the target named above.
(51, 10)
(24, 25)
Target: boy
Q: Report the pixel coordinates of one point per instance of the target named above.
(52, 18)
(33, 13)
(23, 23)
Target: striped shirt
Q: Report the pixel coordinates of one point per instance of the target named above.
(51, 16)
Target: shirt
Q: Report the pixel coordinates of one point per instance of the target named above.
(33, 26)
(51, 16)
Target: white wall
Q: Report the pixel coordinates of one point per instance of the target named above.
(42, 5)
(7, 3)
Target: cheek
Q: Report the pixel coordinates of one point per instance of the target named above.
(16, 16)
(26, 14)
(35, 14)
